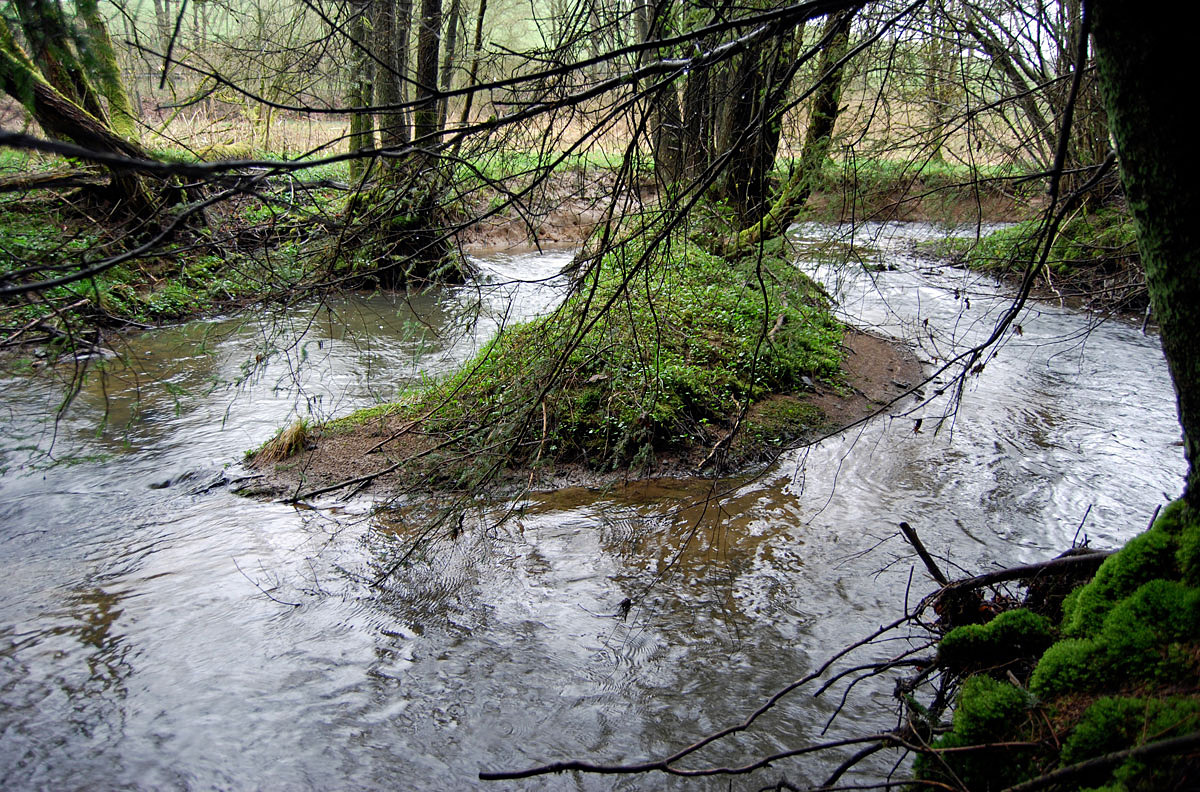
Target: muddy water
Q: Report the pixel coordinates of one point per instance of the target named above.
(180, 637)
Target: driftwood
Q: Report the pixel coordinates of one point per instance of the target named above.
(959, 601)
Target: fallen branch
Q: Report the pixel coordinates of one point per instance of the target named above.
(1077, 562)
(910, 534)
(1175, 745)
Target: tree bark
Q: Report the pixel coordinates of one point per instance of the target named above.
(1142, 54)
(476, 56)
(107, 71)
(818, 137)
(448, 56)
(429, 36)
(393, 133)
(362, 124)
(49, 38)
(63, 119)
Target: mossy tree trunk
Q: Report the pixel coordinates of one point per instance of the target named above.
(103, 60)
(753, 123)
(1142, 54)
(62, 118)
(826, 107)
(362, 124)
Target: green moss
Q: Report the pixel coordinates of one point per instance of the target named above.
(1144, 558)
(987, 707)
(987, 711)
(1134, 641)
(1065, 666)
(1011, 636)
(1139, 642)
(1179, 522)
(1115, 723)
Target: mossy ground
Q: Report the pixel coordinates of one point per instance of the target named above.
(239, 251)
(1094, 258)
(1121, 669)
(656, 353)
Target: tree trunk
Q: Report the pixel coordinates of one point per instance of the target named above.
(49, 38)
(448, 56)
(664, 122)
(388, 90)
(425, 113)
(1142, 54)
(476, 55)
(362, 125)
(108, 73)
(63, 119)
(818, 137)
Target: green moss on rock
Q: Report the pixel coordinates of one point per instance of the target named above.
(1011, 636)
(1144, 558)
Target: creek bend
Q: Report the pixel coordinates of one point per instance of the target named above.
(149, 640)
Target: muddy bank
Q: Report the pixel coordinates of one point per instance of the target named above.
(876, 371)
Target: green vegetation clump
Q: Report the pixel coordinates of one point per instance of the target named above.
(1123, 674)
(1144, 558)
(1010, 637)
(987, 711)
(1104, 238)
(655, 351)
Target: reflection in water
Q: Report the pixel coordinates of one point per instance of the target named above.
(178, 637)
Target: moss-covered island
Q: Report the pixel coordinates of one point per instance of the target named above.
(661, 360)
(1093, 696)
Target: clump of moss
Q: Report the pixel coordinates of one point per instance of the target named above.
(1123, 674)
(1140, 640)
(1115, 723)
(1144, 558)
(988, 711)
(1013, 636)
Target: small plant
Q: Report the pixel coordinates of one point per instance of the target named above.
(285, 444)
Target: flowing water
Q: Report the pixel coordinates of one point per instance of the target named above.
(159, 632)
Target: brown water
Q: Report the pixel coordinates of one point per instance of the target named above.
(181, 637)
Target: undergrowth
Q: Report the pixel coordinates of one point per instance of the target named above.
(1120, 670)
(1093, 256)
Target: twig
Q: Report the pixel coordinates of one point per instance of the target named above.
(910, 534)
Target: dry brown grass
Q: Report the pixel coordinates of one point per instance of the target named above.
(286, 444)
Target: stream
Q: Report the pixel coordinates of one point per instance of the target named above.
(159, 632)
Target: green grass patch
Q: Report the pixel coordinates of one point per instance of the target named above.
(1103, 240)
